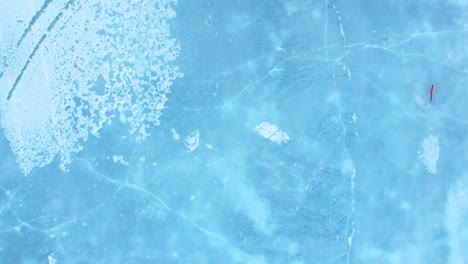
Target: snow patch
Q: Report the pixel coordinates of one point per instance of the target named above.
(271, 132)
(429, 153)
(192, 141)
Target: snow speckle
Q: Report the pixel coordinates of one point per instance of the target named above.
(429, 153)
(209, 146)
(17, 228)
(119, 159)
(348, 72)
(51, 259)
(342, 33)
(192, 141)
(350, 239)
(271, 132)
(279, 48)
(354, 117)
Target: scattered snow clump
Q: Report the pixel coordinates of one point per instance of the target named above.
(429, 153)
(192, 141)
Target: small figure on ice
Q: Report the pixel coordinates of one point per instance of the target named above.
(431, 91)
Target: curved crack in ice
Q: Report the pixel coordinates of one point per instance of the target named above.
(350, 226)
(203, 230)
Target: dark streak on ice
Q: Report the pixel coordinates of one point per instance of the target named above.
(33, 20)
(56, 19)
(25, 66)
(52, 24)
(69, 3)
(49, 28)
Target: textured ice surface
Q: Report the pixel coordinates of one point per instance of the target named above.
(79, 65)
(301, 131)
(456, 221)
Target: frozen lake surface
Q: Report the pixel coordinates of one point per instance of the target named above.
(295, 131)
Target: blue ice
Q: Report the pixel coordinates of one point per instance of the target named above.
(233, 131)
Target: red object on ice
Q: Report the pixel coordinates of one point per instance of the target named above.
(431, 91)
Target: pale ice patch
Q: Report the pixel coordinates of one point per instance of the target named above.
(456, 221)
(271, 132)
(175, 135)
(429, 153)
(459, 3)
(347, 167)
(82, 65)
(292, 8)
(255, 208)
(293, 249)
(209, 146)
(192, 141)
(316, 13)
